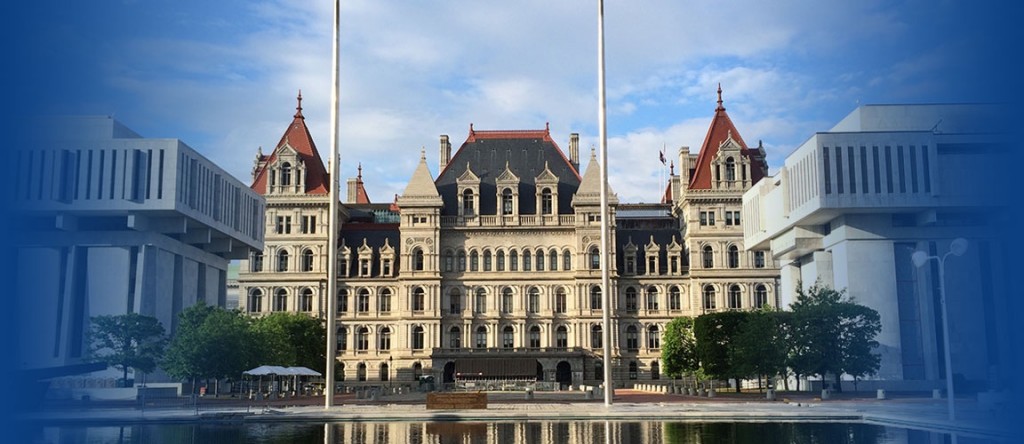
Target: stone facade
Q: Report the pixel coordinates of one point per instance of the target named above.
(494, 265)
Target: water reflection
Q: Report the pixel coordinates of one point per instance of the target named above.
(607, 432)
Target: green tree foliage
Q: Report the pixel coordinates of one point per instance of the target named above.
(715, 334)
(832, 334)
(127, 341)
(211, 342)
(759, 347)
(291, 339)
(679, 348)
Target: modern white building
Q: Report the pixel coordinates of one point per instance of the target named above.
(109, 223)
(852, 204)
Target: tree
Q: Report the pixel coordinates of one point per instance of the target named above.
(127, 341)
(211, 342)
(679, 348)
(292, 339)
(715, 334)
(758, 347)
(833, 335)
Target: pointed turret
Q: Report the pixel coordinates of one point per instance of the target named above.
(421, 190)
(589, 191)
(722, 134)
(297, 143)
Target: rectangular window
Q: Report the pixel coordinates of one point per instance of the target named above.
(711, 218)
(902, 168)
(852, 166)
(864, 170)
(926, 169)
(828, 169)
(878, 172)
(839, 170)
(703, 218)
(913, 168)
(888, 169)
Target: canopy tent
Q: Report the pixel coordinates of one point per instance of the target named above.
(276, 370)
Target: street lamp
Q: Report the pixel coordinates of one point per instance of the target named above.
(391, 364)
(957, 248)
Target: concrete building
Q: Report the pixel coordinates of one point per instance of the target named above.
(109, 223)
(852, 204)
(490, 271)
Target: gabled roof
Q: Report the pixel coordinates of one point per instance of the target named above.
(523, 153)
(590, 187)
(297, 136)
(721, 129)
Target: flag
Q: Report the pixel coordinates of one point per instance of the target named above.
(661, 155)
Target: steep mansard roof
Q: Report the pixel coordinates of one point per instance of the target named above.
(526, 154)
(721, 129)
(297, 136)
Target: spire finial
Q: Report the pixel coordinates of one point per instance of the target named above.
(423, 153)
(720, 107)
(672, 168)
(298, 107)
(360, 175)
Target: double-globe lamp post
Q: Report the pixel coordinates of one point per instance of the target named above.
(957, 248)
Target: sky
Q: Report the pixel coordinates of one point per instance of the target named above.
(223, 76)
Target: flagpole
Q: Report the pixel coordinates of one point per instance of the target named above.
(606, 305)
(332, 223)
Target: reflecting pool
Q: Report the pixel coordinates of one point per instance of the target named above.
(526, 432)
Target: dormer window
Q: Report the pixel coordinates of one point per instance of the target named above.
(546, 203)
(506, 202)
(286, 174)
(730, 169)
(468, 206)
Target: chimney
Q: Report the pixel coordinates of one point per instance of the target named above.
(574, 149)
(353, 190)
(446, 152)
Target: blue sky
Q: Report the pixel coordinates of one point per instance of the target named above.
(223, 76)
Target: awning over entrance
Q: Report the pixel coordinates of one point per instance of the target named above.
(495, 368)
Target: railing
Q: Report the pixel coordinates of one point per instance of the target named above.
(547, 220)
(513, 350)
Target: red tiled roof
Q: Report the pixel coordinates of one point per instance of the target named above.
(298, 137)
(361, 196)
(721, 129)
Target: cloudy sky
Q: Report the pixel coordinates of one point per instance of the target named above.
(223, 76)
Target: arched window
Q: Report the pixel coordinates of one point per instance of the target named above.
(735, 302)
(342, 339)
(534, 337)
(255, 301)
(734, 256)
(655, 370)
(546, 202)
(561, 301)
(506, 300)
(361, 372)
(501, 261)
(631, 304)
(599, 370)
(481, 337)
(508, 337)
(487, 260)
(595, 298)
(760, 296)
(340, 371)
(595, 258)
(286, 174)
(462, 260)
(363, 301)
(633, 370)
(418, 299)
(527, 260)
(506, 202)
(708, 256)
(653, 337)
(632, 338)
(417, 260)
(385, 372)
(652, 298)
(467, 203)
(553, 260)
(481, 301)
(566, 260)
(307, 260)
(280, 300)
(455, 301)
(417, 371)
(674, 298)
(282, 260)
(596, 337)
(384, 341)
(513, 261)
(362, 339)
(256, 262)
(730, 169)
(384, 301)
(417, 338)
(449, 261)
(540, 260)
(533, 300)
(306, 300)
(561, 337)
(474, 261)
(709, 297)
(455, 338)
(342, 301)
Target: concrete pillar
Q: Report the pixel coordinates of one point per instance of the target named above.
(880, 394)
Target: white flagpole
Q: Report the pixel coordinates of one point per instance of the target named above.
(605, 250)
(332, 224)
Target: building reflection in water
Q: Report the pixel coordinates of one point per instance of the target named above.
(524, 432)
